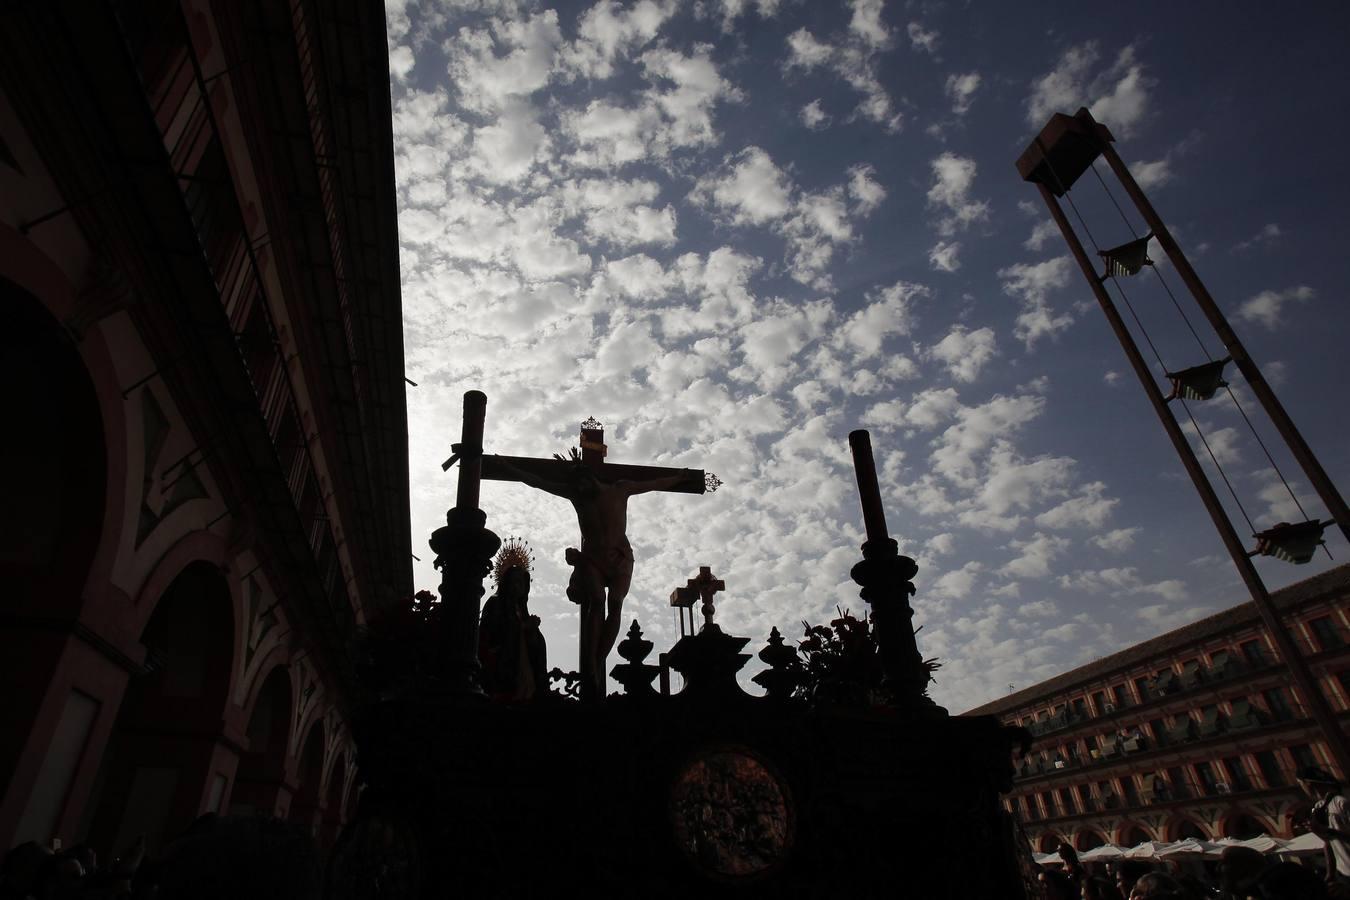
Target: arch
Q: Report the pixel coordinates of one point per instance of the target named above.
(167, 757)
(1131, 835)
(1049, 842)
(1242, 825)
(1183, 827)
(260, 782)
(1087, 839)
(32, 274)
(305, 809)
(54, 471)
(352, 797)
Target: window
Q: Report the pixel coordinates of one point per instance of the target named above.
(1255, 653)
(1051, 802)
(1145, 692)
(1324, 630)
(1209, 782)
(1270, 769)
(1343, 679)
(1303, 756)
(1237, 774)
(1085, 799)
(1159, 730)
(1080, 708)
(1278, 701)
(1131, 792)
(1029, 809)
(1121, 695)
(1181, 785)
(1066, 801)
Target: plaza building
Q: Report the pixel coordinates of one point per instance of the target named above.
(1196, 733)
(204, 488)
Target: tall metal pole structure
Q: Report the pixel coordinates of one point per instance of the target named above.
(1063, 151)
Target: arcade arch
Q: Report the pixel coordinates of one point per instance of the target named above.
(260, 786)
(1087, 839)
(167, 761)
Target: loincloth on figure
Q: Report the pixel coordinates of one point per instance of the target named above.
(610, 566)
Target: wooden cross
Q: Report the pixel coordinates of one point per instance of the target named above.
(593, 451)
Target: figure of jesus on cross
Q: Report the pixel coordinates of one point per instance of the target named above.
(602, 569)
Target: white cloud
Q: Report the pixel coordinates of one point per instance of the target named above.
(964, 352)
(943, 256)
(1035, 555)
(1269, 234)
(606, 32)
(814, 117)
(863, 187)
(730, 10)
(1117, 96)
(953, 177)
(930, 408)
(866, 23)
(1043, 231)
(889, 312)
(486, 81)
(1089, 510)
(961, 91)
(805, 51)
(922, 39)
(620, 212)
(401, 63)
(1117, 540)
(852, 58)
(1032, 284)
(1267, 308)
(750, 187)
(1153, 174)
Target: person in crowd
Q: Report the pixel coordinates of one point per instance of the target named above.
(1099, 887)
(1129, 871)
(1160, 886)
(1329, 820)
(1239, 870)
(1290, 881)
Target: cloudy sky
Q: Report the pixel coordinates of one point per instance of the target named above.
(734, 231)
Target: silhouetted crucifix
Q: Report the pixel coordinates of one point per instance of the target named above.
(602, 569)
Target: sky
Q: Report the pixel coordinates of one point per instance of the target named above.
(735, 231)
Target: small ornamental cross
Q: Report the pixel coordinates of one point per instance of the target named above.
(706, 586)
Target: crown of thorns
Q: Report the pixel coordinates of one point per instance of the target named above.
(515, 553)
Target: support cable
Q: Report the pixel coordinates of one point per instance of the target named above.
(1173, 297)
(1156, 355)
(1242, 412)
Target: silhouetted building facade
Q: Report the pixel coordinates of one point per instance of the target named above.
(204, 480)
(1196, 733)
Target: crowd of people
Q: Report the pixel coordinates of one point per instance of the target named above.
(217, 858)
(1241, 873)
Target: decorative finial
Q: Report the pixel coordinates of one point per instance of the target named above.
(515, 553)
(711, 482)
(591, 424)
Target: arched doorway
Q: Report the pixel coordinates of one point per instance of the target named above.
(53, 460)
(53, 493)
(305, 808)
(1185, 828)
(1133, 836)
(1049, 842)
(166, 761)
(332, 817)
(1087, 839)
(1242, 826)
(260, 787)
